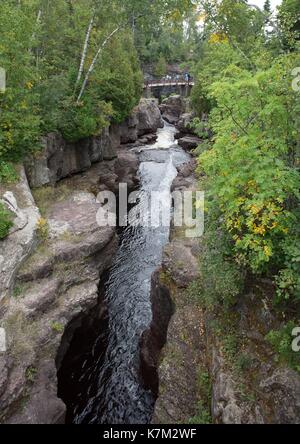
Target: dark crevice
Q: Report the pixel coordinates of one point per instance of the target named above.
(84, 341)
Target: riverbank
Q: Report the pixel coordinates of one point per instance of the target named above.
(214, 364)
(52, 265)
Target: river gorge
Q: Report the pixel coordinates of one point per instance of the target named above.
(101, 327)
(112, 381)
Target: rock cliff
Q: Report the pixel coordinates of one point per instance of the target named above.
(53, 262)
(59, 159)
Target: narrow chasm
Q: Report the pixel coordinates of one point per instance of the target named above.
(107, 363)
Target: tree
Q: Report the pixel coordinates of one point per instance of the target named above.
(161, 67)
(289, 22)
(267, 8)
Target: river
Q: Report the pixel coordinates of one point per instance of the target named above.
(101, 369)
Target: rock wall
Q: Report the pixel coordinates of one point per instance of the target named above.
(59, 159)
(23, 237)
(50, 271)
(175, 380)
(198, 380)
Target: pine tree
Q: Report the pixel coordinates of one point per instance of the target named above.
(267, 7)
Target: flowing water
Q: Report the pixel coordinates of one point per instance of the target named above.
(105, 382)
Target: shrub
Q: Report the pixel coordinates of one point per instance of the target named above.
(288, 279)
(250, 154)
(221, 278)
(6, 221)
(57, 327)
(43, 228)
(8, 173)
(281, 340)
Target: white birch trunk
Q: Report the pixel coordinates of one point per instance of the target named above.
(92, 65)
(84, 52)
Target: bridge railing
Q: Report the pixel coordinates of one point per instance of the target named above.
(180, 80)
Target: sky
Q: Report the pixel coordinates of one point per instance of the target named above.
(260, 3)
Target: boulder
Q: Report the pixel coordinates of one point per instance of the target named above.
(44, 407)
(186, 178)
(129, 129)
(180, 261)
(172, 108)
(283, 390)
(189, 142)
(148, 116)
(184, 124)
(126, 168)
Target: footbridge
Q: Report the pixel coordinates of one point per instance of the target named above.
(166, 87)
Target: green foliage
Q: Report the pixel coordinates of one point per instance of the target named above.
(251, 165)
(42, 48)
(288, 279)
(57, 327)
(119, 85)
(43, 229)
(6, 221)
(84, 119)
(167, 29)
(281, 340)
(31, 374)
(161, 67)
(204, 387)
(221, 279)
(243, 362)
(251, 152)
(203, 415)
(19, 118)
(289, 22)
(8, 173)
(74, 67)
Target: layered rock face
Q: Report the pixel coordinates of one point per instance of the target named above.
(51, 268)
(59, 159)
(55, 285)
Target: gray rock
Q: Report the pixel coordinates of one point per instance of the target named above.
(44, 407)
(20, 219)
(148, 116)
(3, 373)
(172, 108)
(40, 297)
(184, 124)
(189, 142)
(129, 129)
(18, 245)
(186, 178)
(68, 269)
(283, 388)
(59, 159)
(42, 267)
(180, 261)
